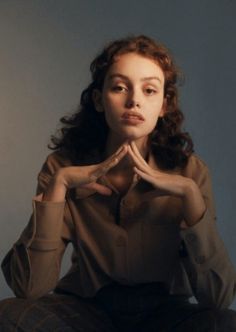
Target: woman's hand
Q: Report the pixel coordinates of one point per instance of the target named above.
(171, 184)
(82, 176)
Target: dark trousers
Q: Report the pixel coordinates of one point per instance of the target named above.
(145, 308)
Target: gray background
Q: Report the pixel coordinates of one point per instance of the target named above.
(45, 50)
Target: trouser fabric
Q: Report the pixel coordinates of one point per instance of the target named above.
(115, 308)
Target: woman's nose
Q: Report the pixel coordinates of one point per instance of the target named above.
(132, 104)
(133, 101)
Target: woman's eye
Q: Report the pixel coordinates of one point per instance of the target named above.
(119, 88)
(150, 91)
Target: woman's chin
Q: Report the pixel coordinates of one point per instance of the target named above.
(134, 136)
(128, 135)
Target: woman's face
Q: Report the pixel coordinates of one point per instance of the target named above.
(132, 96)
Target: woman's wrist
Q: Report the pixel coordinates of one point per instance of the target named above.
(193, 203)
(56, 190)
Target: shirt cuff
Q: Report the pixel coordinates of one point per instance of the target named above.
(44, 229)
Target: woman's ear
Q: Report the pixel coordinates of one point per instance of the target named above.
(163, 109)
(97, 100)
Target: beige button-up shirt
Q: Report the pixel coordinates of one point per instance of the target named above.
(130, 239)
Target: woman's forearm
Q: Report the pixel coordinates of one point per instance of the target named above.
(193, 203)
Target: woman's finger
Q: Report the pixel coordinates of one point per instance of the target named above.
(137, 153)
(105, 166)
(101, 189)
(144, 175)
(139, 164)
(115, 159)
(149, 178)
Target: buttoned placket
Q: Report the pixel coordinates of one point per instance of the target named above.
(122, 207)
(123, 213)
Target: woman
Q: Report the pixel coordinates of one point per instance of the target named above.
(125, 187)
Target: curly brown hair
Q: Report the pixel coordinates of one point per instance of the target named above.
(86, 130)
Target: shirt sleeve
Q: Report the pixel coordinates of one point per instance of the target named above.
(32, 266)
(208, 266)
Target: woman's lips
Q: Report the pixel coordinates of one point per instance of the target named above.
(132, 118)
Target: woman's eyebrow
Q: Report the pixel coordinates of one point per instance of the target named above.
(149, 78)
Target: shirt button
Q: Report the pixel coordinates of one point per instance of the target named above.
(200, 259)
(123, 202)
(120, 242)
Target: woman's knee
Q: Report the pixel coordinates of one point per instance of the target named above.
(17, 314)
(52, 312)
(10, 311)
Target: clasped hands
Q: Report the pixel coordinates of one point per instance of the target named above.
(164, 183)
